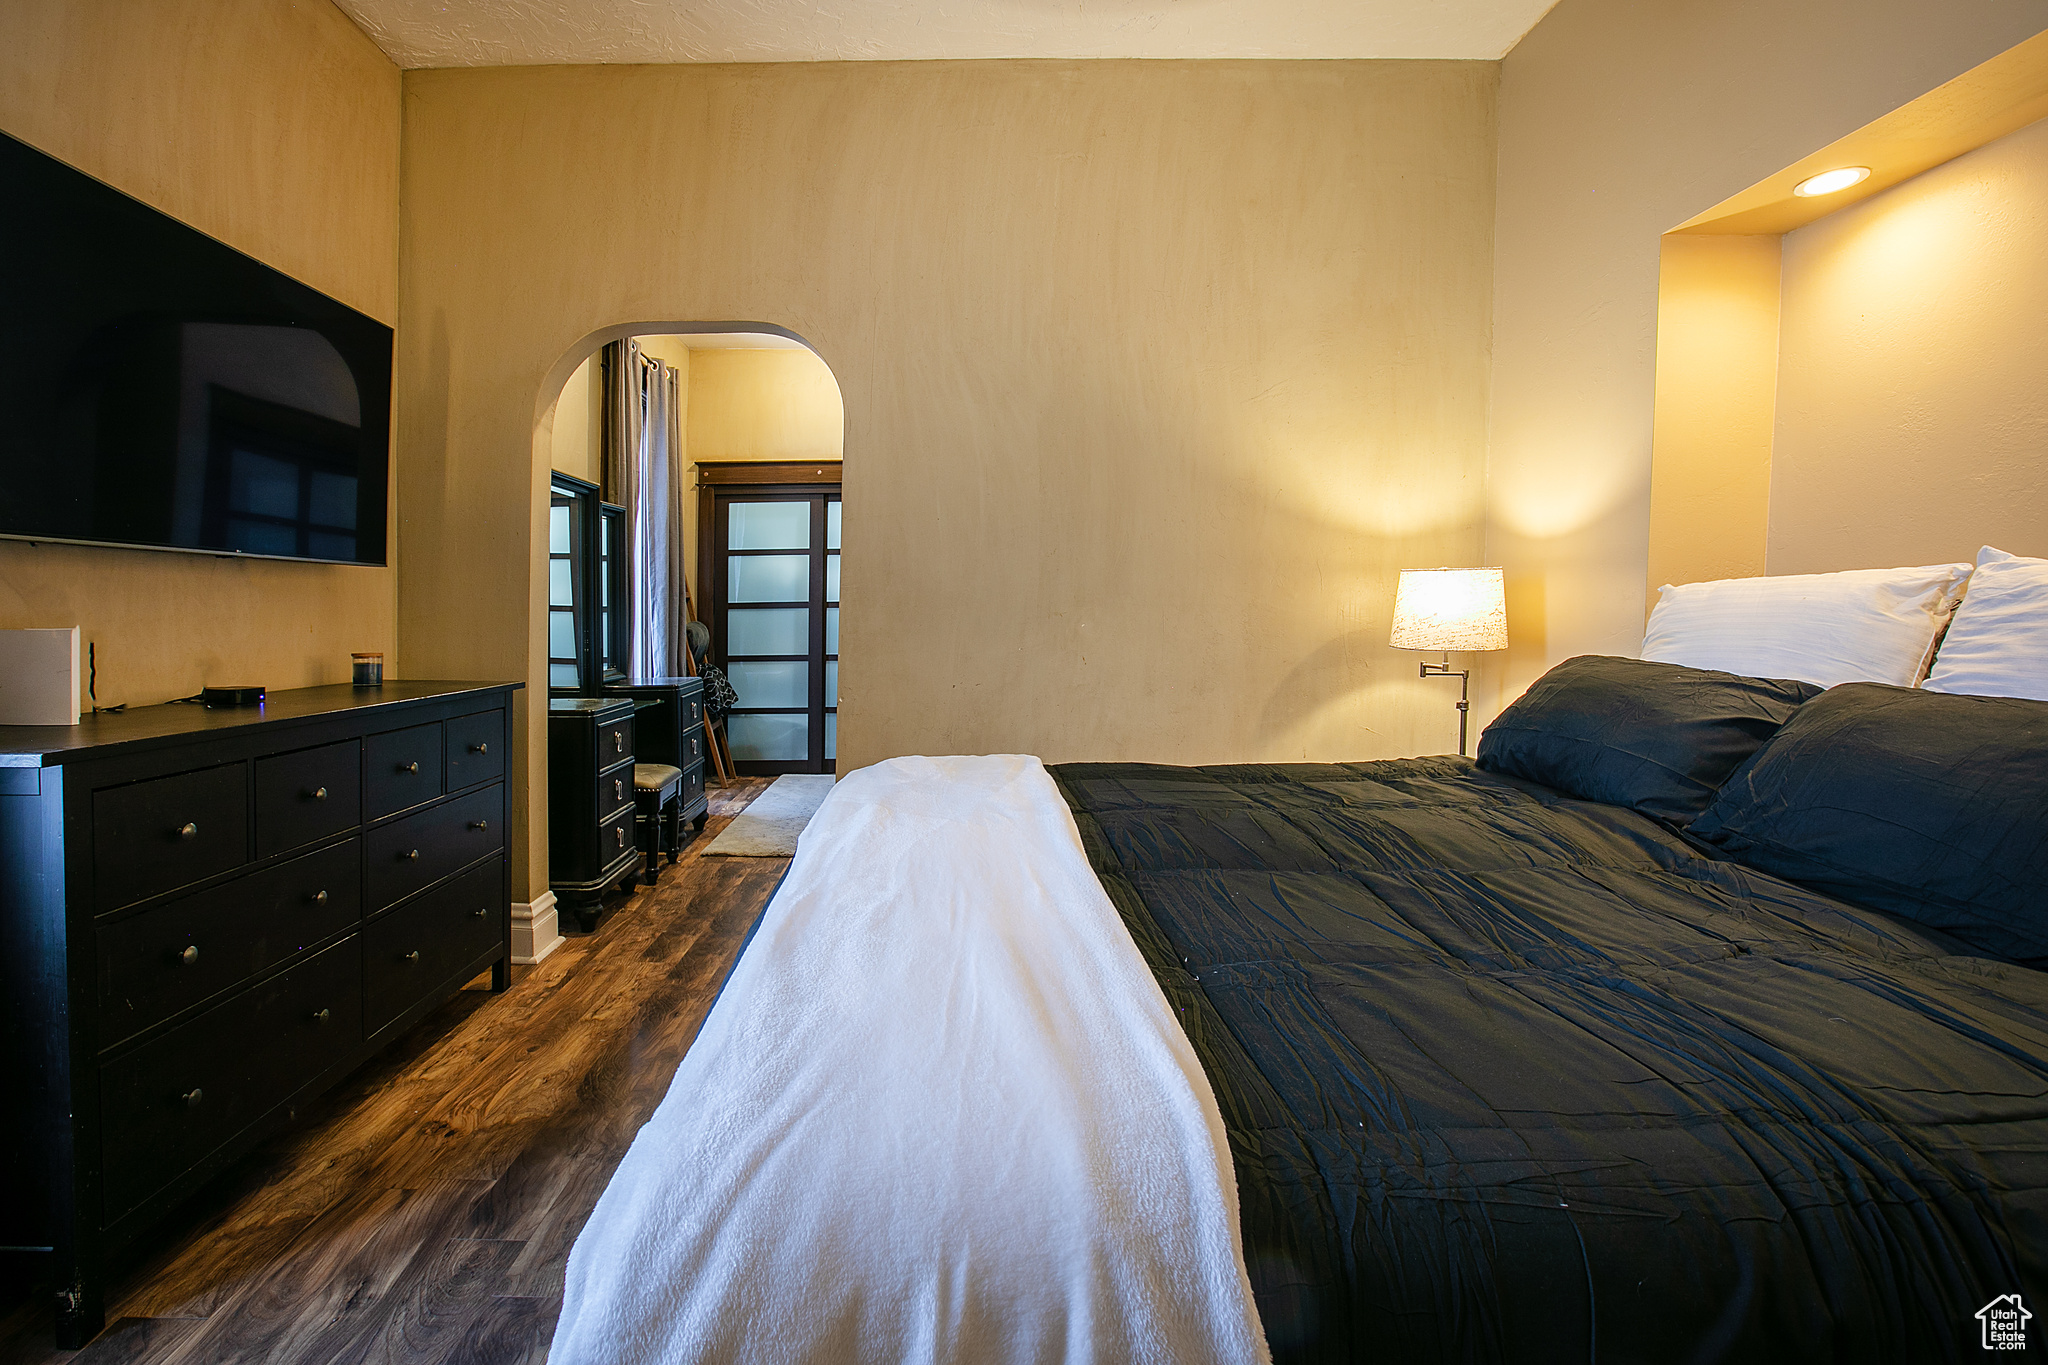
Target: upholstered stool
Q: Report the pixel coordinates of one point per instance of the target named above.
(658, 806)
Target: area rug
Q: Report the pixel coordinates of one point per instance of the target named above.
(768, 827)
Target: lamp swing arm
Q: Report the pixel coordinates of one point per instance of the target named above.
(1464, 677)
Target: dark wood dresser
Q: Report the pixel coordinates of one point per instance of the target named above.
(591, 845)
(668, 727)
(210, 916)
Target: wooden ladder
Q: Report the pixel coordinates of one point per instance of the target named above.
(721, 755)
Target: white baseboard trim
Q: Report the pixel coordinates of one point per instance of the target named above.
(534, 929)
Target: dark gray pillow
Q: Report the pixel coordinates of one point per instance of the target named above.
(1657, 738)
(1932, 807)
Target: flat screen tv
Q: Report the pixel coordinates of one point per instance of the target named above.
(162, 390)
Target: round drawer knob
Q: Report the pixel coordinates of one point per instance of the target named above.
(479, 748)
(412, 767)
(413, 956)
(188, 830)
(192, 1097)
(481, 911)
(190, 955)
(318, 898)
(410, 856)
(318, 793)
(322, 1016)
(480, 824)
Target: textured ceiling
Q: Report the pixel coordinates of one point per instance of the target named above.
(420, 33)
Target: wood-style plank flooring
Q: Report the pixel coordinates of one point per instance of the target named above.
(423, 1211)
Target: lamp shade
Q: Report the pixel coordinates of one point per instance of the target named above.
(1450, 609)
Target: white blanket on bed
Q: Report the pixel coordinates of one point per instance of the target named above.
(940, 1113)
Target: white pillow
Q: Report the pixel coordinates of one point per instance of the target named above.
(1997, 646)
(1866, 625)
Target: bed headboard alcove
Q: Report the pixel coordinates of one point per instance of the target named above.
(1852, 380)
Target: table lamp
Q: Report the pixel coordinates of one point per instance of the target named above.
(1447, 609)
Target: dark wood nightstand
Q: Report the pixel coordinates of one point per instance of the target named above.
(591, 844)
(671, 731)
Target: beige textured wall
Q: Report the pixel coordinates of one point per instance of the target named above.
(1154, 372)
(575, 437)
(1618, 121)
(1716, 399)
(759, 405)
(274, 126)
(1913, 392)
(764, 405)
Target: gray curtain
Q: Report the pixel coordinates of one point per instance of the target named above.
(676, 661)
(643, 450)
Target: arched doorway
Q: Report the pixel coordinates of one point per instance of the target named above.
(759, 436)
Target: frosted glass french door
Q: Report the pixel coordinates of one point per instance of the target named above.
(777, 628)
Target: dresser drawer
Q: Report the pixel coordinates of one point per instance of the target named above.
(169, 1103)
(615, 835)
(308, 795)
(410, 953)
(614, 791)
(168, 832)
(614, 742)
(476, 749)
(693, 713)
(405, 769)
(173, 956)
(410, 854)
(692, 747)
(693, 789)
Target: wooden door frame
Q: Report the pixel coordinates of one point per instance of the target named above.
(758, 476)
(712, 477)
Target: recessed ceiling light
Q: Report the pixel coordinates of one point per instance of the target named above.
(1827, 182)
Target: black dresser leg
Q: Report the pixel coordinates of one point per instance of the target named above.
(587, 906)
(81, 1311)
(501, 976)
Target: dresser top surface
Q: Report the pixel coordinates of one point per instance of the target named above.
(597, 707)
(640, 686)
(42, 746)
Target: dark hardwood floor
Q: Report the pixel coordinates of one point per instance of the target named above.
(424, 1210)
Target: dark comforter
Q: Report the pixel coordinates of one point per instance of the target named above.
(1510, 1076)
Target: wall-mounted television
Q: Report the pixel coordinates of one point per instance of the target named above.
(162, 390)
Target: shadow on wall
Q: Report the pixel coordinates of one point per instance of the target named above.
(1346, 516)
(1293, 654)
(1569, 583)
(1340, 672)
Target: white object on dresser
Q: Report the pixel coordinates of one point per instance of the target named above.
(39, 677)
(1863, 625)
(1997, 646)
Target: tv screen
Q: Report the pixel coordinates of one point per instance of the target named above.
(166, 391)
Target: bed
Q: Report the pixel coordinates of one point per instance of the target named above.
(1727, 1042)
(1510, 1076)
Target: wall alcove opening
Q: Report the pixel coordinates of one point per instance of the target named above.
(755, 450)
(1842, 380)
